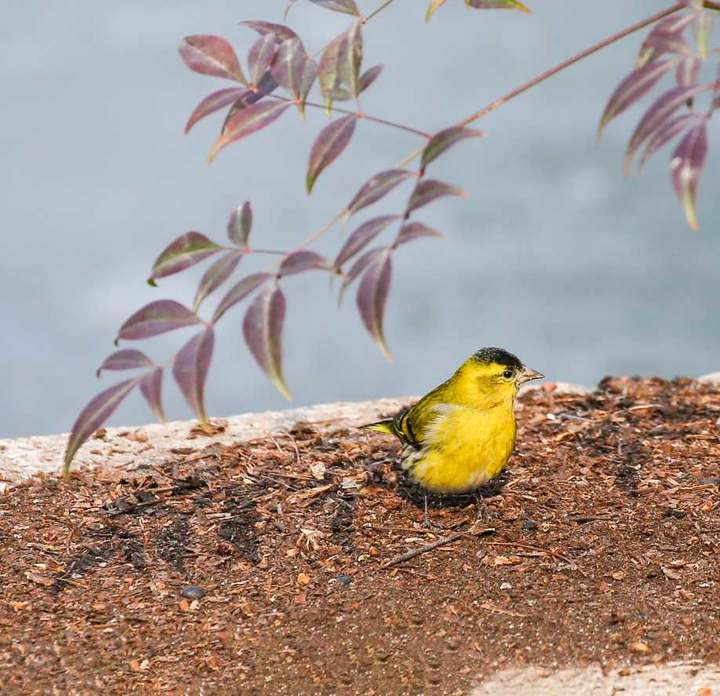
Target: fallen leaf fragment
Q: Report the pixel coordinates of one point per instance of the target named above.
(38, 579)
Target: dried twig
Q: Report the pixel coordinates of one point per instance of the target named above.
(582, 519)
(409, 555)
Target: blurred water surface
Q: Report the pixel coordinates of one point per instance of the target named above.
(554, 255)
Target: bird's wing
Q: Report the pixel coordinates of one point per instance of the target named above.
(416, 424)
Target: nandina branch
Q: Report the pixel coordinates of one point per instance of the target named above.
(575, 59)
(510, 95)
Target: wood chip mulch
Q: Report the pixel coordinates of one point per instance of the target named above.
(299, 564)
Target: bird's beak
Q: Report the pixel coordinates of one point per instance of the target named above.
(527, 375)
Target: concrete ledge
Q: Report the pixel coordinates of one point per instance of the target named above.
(22, 457)
(674, 679)
(712, 378)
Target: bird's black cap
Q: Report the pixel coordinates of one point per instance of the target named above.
(498, 355)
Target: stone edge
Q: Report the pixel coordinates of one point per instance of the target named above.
(21, 458)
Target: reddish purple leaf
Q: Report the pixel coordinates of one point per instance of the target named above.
(128, 359)
(415, 230)
(214, 102)
(372, 296)
(665, 37)
(246, 122)
(344, 6)
(660, 111)
(250, 96)
(635, 86)
(362, 236)
(350, 68)
(157, 318)
(190, 369)
(662, 136)
(429, 190)
(262, 328)
(301, 261)
(260, 57)
(216, 275)
(328, 146)
(686, 167)
(287, 69)
(280, 30)
(93, 416)
(369, 77)
(497, 5)
(338, 94)
(441, 142)
(376, 188)
(333, 66)
(358, 267)
(687, 71)
(211, 55)
(240, 224)
(187, 250)
(239, 292)
(310, 73)
(151, 389)
(294, 70)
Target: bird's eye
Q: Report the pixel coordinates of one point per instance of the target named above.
(508, 374)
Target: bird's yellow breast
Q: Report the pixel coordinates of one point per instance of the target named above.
(464, 448)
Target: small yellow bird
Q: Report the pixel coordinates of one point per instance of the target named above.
(461, 434)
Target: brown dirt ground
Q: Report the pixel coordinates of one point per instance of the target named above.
(601, 545)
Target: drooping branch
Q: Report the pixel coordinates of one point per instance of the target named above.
(574, 59)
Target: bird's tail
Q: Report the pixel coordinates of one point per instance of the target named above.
(383, 426)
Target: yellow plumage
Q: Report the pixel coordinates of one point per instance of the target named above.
(461, 434)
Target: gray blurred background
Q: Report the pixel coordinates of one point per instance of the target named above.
(554, 256)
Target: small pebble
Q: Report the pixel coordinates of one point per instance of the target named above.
(529, 525)
(344, 579)
(192, 592)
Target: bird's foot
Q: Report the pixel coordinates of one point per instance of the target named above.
(482, 514)
(427, 520)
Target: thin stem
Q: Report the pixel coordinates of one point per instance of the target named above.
(409, 158)
(252, 250)
(272, 252)
(323, 230)
(359, 115)
(384, 122)
(571, 61)
(378, 10)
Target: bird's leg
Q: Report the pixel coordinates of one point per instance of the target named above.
(480, 509)
(427, 520)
